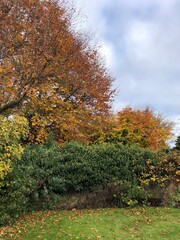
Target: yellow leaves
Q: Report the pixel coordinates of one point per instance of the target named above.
(153, 179)
(5, 167)
(12, 130)
(38, 129)
(37, 121)
(144, 181)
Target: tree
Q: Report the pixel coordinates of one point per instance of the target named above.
(141, 127)
(177, 143)
(50, 72)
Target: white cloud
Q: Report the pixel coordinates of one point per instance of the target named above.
(141, 44)
(139, 40)
(107, 51)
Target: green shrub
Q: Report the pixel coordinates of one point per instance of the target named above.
(126, 176)
(27, 186)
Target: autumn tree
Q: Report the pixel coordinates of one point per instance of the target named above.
(141, 127)
(49, 72)
(12, 130)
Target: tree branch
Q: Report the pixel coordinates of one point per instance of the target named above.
(12, 104)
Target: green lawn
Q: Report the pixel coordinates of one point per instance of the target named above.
(136, 223)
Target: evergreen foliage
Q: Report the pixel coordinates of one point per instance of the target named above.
(48, 172)
(177, 143)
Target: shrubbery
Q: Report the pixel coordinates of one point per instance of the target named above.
(47, 172)
(12, 130)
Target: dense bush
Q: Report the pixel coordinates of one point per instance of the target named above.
(27, 184)
(84, 167)
(125, 175)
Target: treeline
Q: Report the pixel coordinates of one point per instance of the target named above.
(54, 77)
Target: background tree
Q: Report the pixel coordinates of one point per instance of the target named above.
(141, 127)
(50, 72)
(177, 143)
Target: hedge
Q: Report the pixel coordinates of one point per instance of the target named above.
(47, 172)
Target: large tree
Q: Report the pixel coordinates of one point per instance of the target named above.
(50, 72)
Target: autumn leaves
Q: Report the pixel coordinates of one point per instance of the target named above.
(49, 73)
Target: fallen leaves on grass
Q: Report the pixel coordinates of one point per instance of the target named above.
(92, 224)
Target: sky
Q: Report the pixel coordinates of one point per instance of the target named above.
(140, 42)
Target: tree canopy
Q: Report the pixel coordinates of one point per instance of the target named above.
(140, 127)
(49, 72)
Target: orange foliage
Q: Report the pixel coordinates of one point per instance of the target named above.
(141, 127)
(49, 72)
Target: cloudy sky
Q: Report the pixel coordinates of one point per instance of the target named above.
(141, 44)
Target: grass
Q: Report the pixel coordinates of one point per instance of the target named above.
(119, 224)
